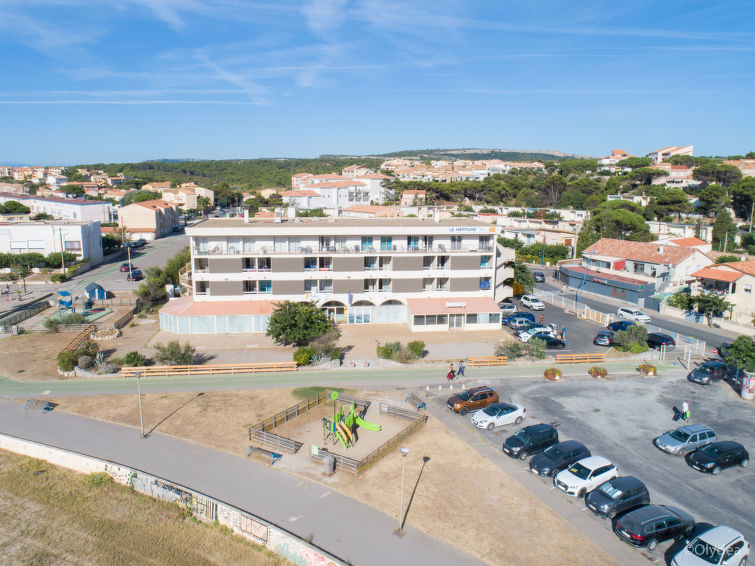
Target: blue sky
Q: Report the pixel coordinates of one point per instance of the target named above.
(123, 80)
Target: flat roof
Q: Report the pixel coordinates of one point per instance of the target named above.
(344, 222)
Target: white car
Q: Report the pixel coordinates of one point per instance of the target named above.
(582, 477)
(525, 336)
(507, 308)
(632, 314)
(499, 414)
(532, 302)
(719, 545)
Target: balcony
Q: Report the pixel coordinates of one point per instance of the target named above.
(354, 249)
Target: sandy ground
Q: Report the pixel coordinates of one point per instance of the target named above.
(452, 492)
(32, 356)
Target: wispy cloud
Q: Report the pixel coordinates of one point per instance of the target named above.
(323, 17)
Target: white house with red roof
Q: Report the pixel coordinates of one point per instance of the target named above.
(694, 243)
(732, 281)
(335, 191)
(746, 166)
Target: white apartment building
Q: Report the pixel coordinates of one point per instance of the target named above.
(65, 209)
(81, 238)
(433, 276)
(334, 191)
(662, 155)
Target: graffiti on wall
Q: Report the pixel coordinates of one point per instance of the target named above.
(160, 489)
(258, 530)
(204, 508)
(298, 552)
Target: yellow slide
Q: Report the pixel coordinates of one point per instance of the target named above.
(345, 432)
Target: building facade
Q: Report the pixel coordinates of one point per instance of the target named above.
(149, 219)
(433, 276)
(734, 283)
(65, 209)
(80, 238)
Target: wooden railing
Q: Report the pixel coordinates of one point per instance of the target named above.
(417, 421)
(123, 320)
(489, 361)
(580, 358)
(290, 413)
(208, 369)
(81, 337)
(280, 443)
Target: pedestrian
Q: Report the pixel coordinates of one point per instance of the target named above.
(451, 373)
(563, 332)
(460, 371)
(685, 410)
(542, 319)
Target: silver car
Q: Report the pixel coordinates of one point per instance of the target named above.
(685, 439)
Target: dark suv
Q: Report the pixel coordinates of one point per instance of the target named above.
(719, 455)
(558, 457)
(472, 400)
(617, 495)
(649, 525)
(530, 440)
(708, 372)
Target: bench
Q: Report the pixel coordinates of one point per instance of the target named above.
(412, 399)
(46, 406)
(274, 456)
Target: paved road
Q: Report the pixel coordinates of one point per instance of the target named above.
(353, 531)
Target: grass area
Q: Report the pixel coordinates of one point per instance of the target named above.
(307, 392)
(49, 515)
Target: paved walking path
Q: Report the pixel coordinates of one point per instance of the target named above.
(349, 529)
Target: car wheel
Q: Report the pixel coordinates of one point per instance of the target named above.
(463, 411)
(491, 426)
(612, 515)
(561, 346)
(523, 455)
(716, 470)
(652, 543)
(518, 420)
(743, 463)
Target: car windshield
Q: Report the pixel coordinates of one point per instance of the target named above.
(464, 395)
(704, 550)
(707, 369)
(679, 435)
(554, 453)
(523, 435)
(610, 490)
(580, 471)
(711, 450)
(491, 410)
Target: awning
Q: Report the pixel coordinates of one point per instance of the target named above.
(716, 274)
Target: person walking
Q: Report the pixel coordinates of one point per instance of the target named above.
(563, 333)
(542, 319)
(685, 410)
(460, 371)
(451, 373)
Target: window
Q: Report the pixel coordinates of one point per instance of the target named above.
(427, 262)
(366, 243)
(369, 285)
(294, 244)
(325, 285)
(639, 267)
(250, 287)
(386, 243)
(747, 289)
(412, 243)
(442, 319)
(428, 283)
(310, 285)
(266, 287)
(264, 264)
(484, 243)
(202, 288)
(249, 245)
(484, 261)
(384, 285)
(73, 246)
(419, 320)
(281, 244)
(430, 319)
(326, 264)
(484, 283)
(494, 318)
(443, 262)
(427, 242)
(441, 284)
(455, 242)
(369, 263)
(310, 263)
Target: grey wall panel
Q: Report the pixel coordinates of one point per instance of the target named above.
(465, 262)
(348, 286)
(226, 288)
(464, 284)
(288, 264)
(407, 263)
(348, 264)
(407, 285)
(288, 287)
(224, 264)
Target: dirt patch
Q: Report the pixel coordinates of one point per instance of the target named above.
(459, 497)
(32, 357)
(53, 516)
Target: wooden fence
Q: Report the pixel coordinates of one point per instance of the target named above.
(580, 358)
(81, 337)
(290, 413)
(280, 443)
(342, 462)
(123, 320)
(488, 361)
(207, 369)
(417, 421)
(22, 314)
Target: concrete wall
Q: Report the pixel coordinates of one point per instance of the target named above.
(348, 264)
(288, 265)
(407, 263)
(224, 264)
(348, 286)
(288, 287)
(202, 506)
(407, 285)
(464, 284)
(226, 288)
(466, 262)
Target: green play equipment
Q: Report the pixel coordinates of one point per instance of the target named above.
(343, 427)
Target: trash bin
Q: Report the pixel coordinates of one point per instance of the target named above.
(328, 465)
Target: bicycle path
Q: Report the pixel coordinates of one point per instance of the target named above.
(350, 530)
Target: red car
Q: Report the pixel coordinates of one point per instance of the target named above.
(127, 267)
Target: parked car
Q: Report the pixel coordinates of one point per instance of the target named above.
(619, 325)
(535, 326)
(538, 276)
(472, 399)
(617, 496)
(636, 315)
(585, 475)
(551, 342)
(656, 339)
(723, 350)
(134, 275)
(716, 456)
(519, 316)
(527, 333)
(521, 323)
(708, 372)
(531, 439)
(558, 457)
(499, 414)
(603, 338)
(685, 439)
(719, 545)
(651, 524)
(532, 302)
(507, 308)
(141, 242)
(127, 267)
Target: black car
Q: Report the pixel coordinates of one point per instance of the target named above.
(603, 338)
(551, 342)
(723, 350)
(618, 325)
(708, 372)
(656, 339)
(558, 457)
(134, 275)
(617, 495)
(651, 524)
(716, 456)
(530, 440)
(140, 243)
(538, 276)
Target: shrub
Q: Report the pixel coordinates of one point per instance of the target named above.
(535, 348)
(51, 324)
(512, 349)
(727, 258)
(638, 348)
(647, 369)
(66, 361)
(133, 359)
(87, 348)
(58, 278)
(405, 355)
(635, 335)
(417, 347)
(554, 374)
(174, 354)
(303, 355)
(98, 478)
(598, 372)
(385, 352)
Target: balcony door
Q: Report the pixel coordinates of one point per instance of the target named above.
(456, 321)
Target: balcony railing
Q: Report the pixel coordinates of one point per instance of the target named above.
(357, 249)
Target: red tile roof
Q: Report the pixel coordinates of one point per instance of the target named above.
(335, 184)
(460, 305)
(300, 193)
(640, 251)
(747, 266)
(689, 242)
(716, 274)
(155, 204)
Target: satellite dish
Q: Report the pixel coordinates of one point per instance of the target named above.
(334, 395)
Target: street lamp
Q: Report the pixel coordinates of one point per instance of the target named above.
(139, 392)
(584, 276)
(404, 452)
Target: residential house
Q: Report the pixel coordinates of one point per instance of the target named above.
(156, 187)
(734, 282)
(413, 197)
(336, 191)
(680, 230)
(80, 238)
(12, 188)
(65, 209)
(209, 194)
(746, 166)
(183, 197)
(149, 219)
(661, 155)
(678, 176)
(56, 180)
(696, 243)
(609, 162)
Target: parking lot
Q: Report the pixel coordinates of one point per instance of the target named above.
(618, 419)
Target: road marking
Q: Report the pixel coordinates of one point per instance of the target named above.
(294, 519)
(326, 494)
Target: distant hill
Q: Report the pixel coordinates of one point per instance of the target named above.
(478, 153)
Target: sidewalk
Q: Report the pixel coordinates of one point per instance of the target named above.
(353, 531)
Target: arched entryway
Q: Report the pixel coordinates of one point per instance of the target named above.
(392, 311)
(335, 310)
(362, 312)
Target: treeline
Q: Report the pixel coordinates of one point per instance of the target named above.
(248, 173)
(474, 155)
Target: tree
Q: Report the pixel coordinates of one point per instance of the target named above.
(741, 353)
(513, 243)
(635, 162)
(672, 201)
(716, 173)
(523, 277)
(742, 197)
(713, 198)
(551, 189)
(14, 207)
(74, 190)
(618, 223)
(110, 243)
(203, 203)
(174, 354)
(645, 175)
(139, 196)
(724, 233)
(711, 305)
(297, 323)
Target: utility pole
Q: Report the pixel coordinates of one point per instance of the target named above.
(62, 252)
(726, 239)
(752, 209)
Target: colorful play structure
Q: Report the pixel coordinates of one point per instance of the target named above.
(343, 427)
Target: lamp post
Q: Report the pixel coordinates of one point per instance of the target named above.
(139, 392)
(584, 276)
(404, 452)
